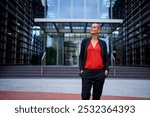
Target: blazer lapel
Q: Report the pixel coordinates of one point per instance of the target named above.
(102, 48)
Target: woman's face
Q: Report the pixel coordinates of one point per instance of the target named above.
(95, 28)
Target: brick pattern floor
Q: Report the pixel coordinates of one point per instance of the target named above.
(15, 95)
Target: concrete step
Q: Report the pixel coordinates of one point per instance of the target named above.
(70, 71)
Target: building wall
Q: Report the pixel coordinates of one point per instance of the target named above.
(137, 32)
(119, 33)
(135, 39)
(16, 22)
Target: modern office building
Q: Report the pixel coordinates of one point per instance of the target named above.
(19, 43)
(31, 28)
(132, 41)
(69, 21)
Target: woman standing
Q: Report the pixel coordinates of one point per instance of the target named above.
(93, 64)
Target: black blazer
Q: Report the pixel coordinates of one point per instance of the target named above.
(82, 56)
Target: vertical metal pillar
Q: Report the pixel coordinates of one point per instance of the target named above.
(110, 36)
(63, 53)
(44, 46)
(78, 52)
(111, 49)
(57, 46)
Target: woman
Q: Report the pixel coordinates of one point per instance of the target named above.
(93, 64)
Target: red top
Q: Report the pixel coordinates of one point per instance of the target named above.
(94, 58)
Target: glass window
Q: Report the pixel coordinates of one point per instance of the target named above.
(91, 9)
(52, 8)
(65, 9)
(78, 9)
(104, 6)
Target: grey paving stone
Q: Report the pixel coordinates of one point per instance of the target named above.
(113, 87)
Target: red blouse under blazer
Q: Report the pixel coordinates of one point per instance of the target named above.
(94, 58)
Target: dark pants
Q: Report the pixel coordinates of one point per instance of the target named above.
(87, 85)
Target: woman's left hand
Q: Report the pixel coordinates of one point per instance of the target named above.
(106, 73)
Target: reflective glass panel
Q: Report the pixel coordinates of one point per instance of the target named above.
(52, 10)
(91, 9)
(65, 9)
(78, 9)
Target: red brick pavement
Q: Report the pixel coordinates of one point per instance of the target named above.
(14, 95)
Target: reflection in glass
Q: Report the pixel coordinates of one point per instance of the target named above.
(91, 9)
(52, 8)
(78, 9)
(65, 9)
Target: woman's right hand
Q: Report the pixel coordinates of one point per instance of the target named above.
(81, 71)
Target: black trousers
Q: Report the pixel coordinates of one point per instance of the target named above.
(88, 84)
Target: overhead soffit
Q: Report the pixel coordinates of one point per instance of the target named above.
(76, 25)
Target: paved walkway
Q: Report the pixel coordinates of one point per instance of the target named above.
(65, 88)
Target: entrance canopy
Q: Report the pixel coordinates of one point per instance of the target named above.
(76, 25)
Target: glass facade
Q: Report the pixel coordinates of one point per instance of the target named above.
(69, 42)
(85, 9)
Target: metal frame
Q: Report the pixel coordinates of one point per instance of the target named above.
(109, 21)
(85, 22)
(77, 26)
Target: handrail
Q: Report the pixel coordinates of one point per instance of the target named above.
(43, 56)
(42, 62)
(114, 64)
(114, 60)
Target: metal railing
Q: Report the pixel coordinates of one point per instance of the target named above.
(114, 62)
(43, 62)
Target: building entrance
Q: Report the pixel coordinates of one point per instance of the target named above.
(70, 53)
(67, 48)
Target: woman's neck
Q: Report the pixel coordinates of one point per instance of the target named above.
(94, 37)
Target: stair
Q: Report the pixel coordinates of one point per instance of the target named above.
(70, 72)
